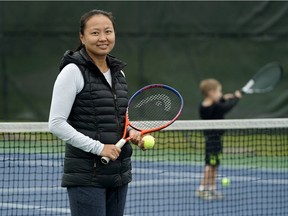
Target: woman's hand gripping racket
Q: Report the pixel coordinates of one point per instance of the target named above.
(150, 109)
(264, 80)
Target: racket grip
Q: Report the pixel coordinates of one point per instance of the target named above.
(120, 144)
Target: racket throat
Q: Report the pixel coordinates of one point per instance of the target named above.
(247, 88)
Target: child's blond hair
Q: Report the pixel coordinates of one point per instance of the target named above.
(208, 85)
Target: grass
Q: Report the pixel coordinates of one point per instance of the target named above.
(240, 148)
(249, 148)
(30, 143)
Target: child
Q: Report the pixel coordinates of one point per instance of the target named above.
(214, 106)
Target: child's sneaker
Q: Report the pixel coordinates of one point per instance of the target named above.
(204, 194)
(216, 195)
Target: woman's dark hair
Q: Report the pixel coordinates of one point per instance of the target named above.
(85, 17)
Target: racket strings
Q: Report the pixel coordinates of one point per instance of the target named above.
(266, 79)
(154, 108)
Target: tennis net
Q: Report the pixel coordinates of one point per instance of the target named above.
(254, 158)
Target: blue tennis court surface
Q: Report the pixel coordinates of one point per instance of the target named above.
(169, 190)
(32, 187)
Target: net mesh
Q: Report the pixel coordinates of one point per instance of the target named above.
(254, 158)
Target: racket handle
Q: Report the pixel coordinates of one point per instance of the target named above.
(120, 144)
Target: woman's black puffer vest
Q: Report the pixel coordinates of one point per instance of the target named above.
(98, 112)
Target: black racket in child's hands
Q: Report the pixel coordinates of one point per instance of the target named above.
(264, 80)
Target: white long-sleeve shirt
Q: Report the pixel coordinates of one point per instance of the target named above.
(67, 85)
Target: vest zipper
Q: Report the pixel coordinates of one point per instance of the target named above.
(112, 87)
(116, 106)
(94, 167)
(117, 112)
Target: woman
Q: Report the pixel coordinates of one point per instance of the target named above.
(87, 112)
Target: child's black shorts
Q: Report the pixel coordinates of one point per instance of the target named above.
(213, 149)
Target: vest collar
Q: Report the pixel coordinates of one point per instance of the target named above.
(113, 63)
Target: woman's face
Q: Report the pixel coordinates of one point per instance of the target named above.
(99, 35)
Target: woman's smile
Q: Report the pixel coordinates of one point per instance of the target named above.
(103, 46)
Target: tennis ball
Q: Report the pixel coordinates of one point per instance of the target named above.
(225, 182)
(149, 141)
(213, 161)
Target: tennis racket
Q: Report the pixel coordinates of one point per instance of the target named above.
(150, 109)
(264, 80)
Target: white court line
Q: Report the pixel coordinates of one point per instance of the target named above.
(183, 177)
(224, 166)
(33, 190)
(155, 182)
(168, 178)
(162, 182)
(36, 207)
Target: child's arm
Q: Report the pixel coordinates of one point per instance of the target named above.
(228, 102)
(228, 96)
